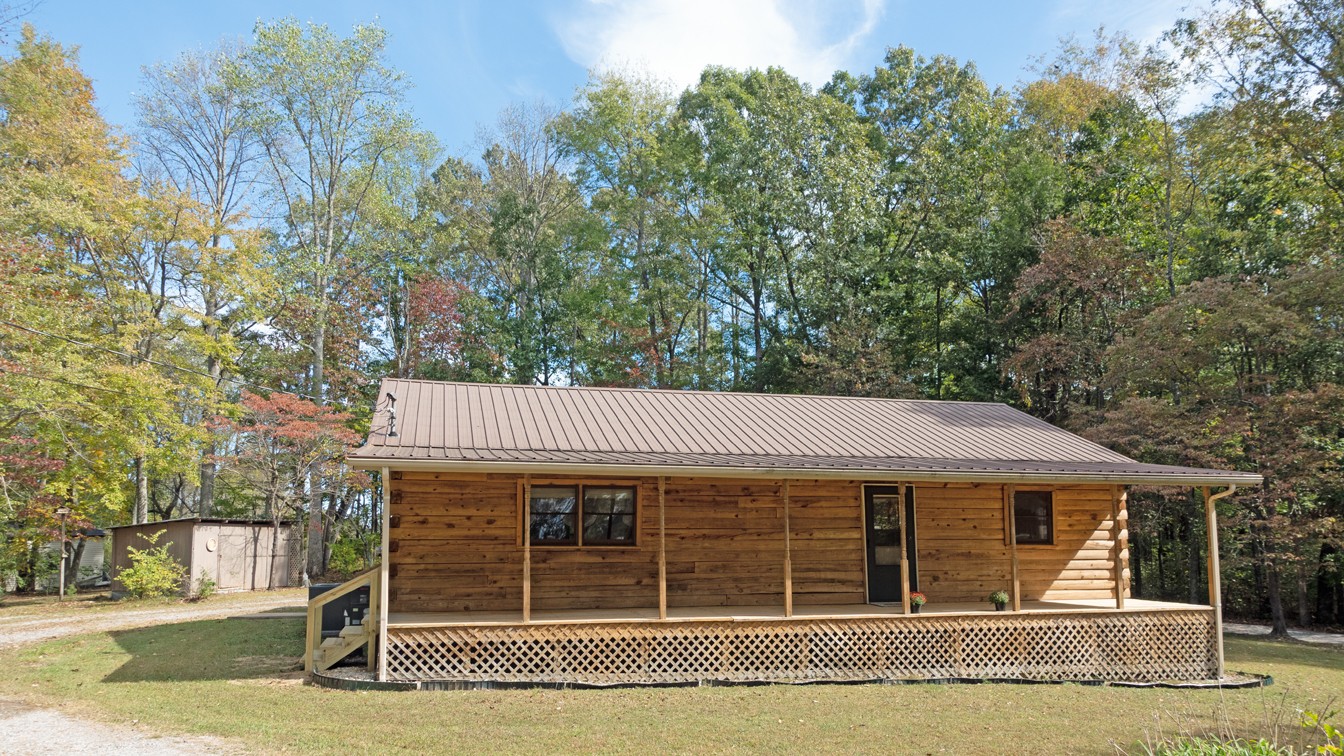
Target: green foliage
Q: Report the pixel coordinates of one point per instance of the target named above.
(1166, 282)
(999, 598)
(205, 587)
(1332, 737)
(348, 557)
(153, 572)
(1206, 747)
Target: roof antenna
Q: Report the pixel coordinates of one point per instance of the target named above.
(391, 415)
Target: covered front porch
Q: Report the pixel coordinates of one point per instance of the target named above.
(1045, 640)
(756, 613)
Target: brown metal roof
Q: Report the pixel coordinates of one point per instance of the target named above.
(497, 427)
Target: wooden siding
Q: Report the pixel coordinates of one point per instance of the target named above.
(963, 553)
(456, 546)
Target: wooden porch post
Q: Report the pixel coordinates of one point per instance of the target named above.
(527, 548)
(662, 548)
(384, 571)
(788, 557)
(1215, 579)
(1009, 495)
(1120, 531)
(905, 558)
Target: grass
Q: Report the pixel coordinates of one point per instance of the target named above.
(81, 604)
(238, 679)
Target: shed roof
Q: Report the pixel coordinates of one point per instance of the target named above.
(468, 426)
(208, 520)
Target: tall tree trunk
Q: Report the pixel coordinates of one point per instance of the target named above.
(314, 561)
(140, 515)
(1161, 566)
(1275, 595)
(1303, 598)
(205, 502)
(1136, 565)
(1194, 587)
(1328, 588)
(72, 563)
(275, 548)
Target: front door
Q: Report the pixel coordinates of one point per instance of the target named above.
(885, 541)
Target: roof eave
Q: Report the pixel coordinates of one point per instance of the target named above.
(818, 473)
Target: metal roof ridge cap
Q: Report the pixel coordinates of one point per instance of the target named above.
(638, 390)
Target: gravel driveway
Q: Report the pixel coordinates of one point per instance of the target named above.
(28, 628)
(26, 729)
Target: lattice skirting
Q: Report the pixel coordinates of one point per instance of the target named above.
(1138, 646)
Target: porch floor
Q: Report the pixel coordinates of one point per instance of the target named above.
(749, 613)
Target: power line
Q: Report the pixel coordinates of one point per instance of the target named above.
(37, 377)
(168, 365)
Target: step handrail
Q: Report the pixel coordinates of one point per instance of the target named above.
(313, 642)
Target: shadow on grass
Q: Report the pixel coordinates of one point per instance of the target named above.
(1249, 650)
(210, 650)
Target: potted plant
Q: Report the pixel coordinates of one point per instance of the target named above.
(999, 599)
(917, 600)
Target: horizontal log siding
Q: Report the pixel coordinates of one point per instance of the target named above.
(457, 546)
(826, 520)
(959, 532)
(455, 543)
(963, 557)
(1080, 564)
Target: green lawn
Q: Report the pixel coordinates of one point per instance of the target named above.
(238, 679)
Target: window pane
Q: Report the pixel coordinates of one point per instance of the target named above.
(608, 515)
(886, 521)
(1033, 512)
(608, 500)
(596, 527)
(553, 514)
(623, 528)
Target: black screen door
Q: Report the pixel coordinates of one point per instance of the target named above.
(884, 541)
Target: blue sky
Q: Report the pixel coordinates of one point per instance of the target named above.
(469, 58)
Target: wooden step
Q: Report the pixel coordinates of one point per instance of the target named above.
(333, 650)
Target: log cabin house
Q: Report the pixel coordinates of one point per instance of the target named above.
(595, 536)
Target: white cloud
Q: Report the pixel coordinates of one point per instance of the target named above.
(676, 39)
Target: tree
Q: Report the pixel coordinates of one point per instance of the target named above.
(282, 441)
(194, 134)
(330, 117)
(628, 161)
(789, 175)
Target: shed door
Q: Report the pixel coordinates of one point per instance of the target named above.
(233, 558)
(885, 541)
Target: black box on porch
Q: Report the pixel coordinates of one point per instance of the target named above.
(346, 610)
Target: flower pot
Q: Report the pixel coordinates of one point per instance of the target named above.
(1000, 607)
(914, 608)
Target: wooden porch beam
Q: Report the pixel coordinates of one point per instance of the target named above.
(662, 548)
(1010, 504)
(905, 558)
(527, 548)
(384, 571)
(1215, 578)
(1120, 534)
(788, 556)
